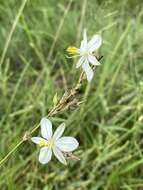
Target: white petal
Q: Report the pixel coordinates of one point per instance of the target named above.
(45, 155)
(46, 128)
(94, 43)
(92, 59)
(84, 35)
(67, 144)
(59, 155)
(88, 70)
(59, 131)
(83, 45)
(80, 62)
(37, 140)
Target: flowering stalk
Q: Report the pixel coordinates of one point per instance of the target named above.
(67, 99)
(64, 103)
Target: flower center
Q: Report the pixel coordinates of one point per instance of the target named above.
(85, 54)
(49, 143)
(72, 50)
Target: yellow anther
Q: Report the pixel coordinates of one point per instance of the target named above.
(43, 143)
(48, 144)
(72, 50)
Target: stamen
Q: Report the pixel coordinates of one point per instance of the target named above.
(48, 144)
(43, 143)
(72, 50)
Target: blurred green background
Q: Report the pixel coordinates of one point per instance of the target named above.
(34, 35)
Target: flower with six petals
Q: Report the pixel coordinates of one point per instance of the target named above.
(53, 143)
(86, 53)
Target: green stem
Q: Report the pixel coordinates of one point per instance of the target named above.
(9, 154)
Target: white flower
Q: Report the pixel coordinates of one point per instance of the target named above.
(85, 52)
(53, 143)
